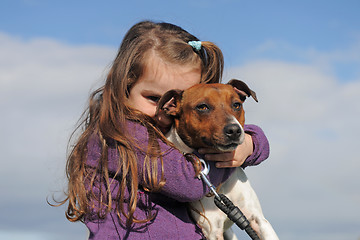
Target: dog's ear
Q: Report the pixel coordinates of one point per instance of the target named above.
(167, 109)
(242, 89)
(169, 102)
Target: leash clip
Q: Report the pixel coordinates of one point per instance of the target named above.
(206, 167)
(203, 175)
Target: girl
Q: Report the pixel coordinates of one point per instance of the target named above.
(125, 180)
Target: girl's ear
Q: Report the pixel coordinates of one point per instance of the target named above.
(242, 89)
(169, 102)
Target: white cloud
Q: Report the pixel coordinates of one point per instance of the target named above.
(44, 86)
(309, 116)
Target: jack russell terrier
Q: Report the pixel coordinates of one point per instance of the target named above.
(211, 115)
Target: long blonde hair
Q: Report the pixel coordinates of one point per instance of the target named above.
(108, 112)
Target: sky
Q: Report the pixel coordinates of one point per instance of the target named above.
(301, 57)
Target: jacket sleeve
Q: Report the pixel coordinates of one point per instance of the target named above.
(261, 146)
(181, 183)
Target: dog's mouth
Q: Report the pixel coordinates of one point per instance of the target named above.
(227, 148)
(224, 147)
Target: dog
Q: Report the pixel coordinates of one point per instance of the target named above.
(212, 116)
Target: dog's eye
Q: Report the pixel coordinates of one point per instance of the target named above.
(202, 107)
(237, 106)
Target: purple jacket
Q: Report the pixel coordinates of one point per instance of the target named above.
(172, 220)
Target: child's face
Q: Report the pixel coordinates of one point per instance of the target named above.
(158, 78)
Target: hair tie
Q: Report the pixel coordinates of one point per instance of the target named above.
(195, 45)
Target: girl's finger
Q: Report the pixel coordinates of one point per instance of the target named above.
(227, 164)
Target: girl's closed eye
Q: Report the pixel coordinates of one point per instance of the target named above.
(152, 98)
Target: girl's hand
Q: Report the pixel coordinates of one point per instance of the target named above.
(230, 159)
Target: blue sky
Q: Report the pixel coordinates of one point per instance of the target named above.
(239, 26)
(301, 57)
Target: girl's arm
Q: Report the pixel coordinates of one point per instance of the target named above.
(179, 173)
(181, 183)
(261, 147)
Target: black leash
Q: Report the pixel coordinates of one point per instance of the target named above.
(235, 215)
(225, 205)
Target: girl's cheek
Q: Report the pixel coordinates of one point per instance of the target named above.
(149, 109)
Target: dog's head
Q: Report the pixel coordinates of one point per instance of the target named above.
(209, 115)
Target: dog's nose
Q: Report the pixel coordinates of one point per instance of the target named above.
(232, 131)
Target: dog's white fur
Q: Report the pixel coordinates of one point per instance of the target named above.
(238, 189)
